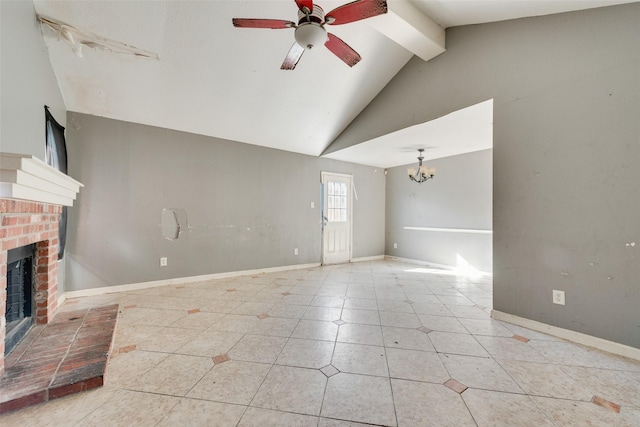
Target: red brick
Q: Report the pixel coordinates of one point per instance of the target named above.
(26, 240)
(9, 220)
(14, 231)
(9, 244)
(19, 403)
(85, 385)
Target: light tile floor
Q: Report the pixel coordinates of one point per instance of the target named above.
(375, 343)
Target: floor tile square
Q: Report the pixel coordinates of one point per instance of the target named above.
(416, 365)
(306, 353)
(257, 417)
(175, 375)
(433, 309)
(328, 314)
(510, 349)
(571, 413)
(360, 359)
(447, 342)
(210, 342)
(231, 382)
(316, 330)
(442, 323)
(128, 408)
(199, 320)
(240, 323)
(275, 326)
(394, 306)
(547, 380)
(411, 339)
(258, 348)
(203, 413)
(479, 372)
(445, 407)
(291, 311)
(491, 408)
(399, 320)
(327, 301)
(291, 389)
(128, 367)
(365, 317)
(360, 303)
(360, 334)
(166, 340)
(252, 308)
(359, 398)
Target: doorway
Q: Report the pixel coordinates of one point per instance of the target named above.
(337, 217)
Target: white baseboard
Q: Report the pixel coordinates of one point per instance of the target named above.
(368, 258)
(181, 280)
(432, 264)
(577, 337)
(419, 262)
(61, 298)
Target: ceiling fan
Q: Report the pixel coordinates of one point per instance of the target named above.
(310, 30)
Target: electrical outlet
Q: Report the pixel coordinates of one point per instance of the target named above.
(395, 246)
(295, 251)
(558, 297)
(313, 205)
(163, 261)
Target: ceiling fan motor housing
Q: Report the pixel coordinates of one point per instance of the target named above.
(310, 31)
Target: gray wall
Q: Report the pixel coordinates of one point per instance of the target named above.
(566, 149)
(459, 197)
(247, 207)
(27, 81)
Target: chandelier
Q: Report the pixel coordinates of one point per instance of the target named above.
(423, 173)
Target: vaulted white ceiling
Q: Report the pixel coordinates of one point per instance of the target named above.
(217, 80)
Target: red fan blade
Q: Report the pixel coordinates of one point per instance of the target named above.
(357, 10)
(276, 24)
(342, 50)
(294, 55)
(305, 3)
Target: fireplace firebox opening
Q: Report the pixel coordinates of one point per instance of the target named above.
(20, 294)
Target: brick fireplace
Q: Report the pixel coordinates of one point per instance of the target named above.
(23, 223)
(32, 196)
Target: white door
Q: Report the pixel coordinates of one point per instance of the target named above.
(336, 232)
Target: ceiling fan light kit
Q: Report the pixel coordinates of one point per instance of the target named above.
(310, 30)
